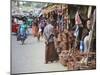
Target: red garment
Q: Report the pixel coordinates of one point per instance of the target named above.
(14, 27)
(35, 30)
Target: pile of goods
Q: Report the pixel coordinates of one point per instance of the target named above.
(71, 57)
(64, 41)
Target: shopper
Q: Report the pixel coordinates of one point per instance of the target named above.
(50, 52)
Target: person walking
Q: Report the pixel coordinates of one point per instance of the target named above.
(22, 32)
(35, 30)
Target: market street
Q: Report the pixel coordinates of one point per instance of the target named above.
(30, 57)
(69, 33)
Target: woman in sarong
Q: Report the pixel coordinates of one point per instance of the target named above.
(35, 30)
(50, 52)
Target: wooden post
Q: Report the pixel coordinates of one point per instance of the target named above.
(91, 36)
(89, 11)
